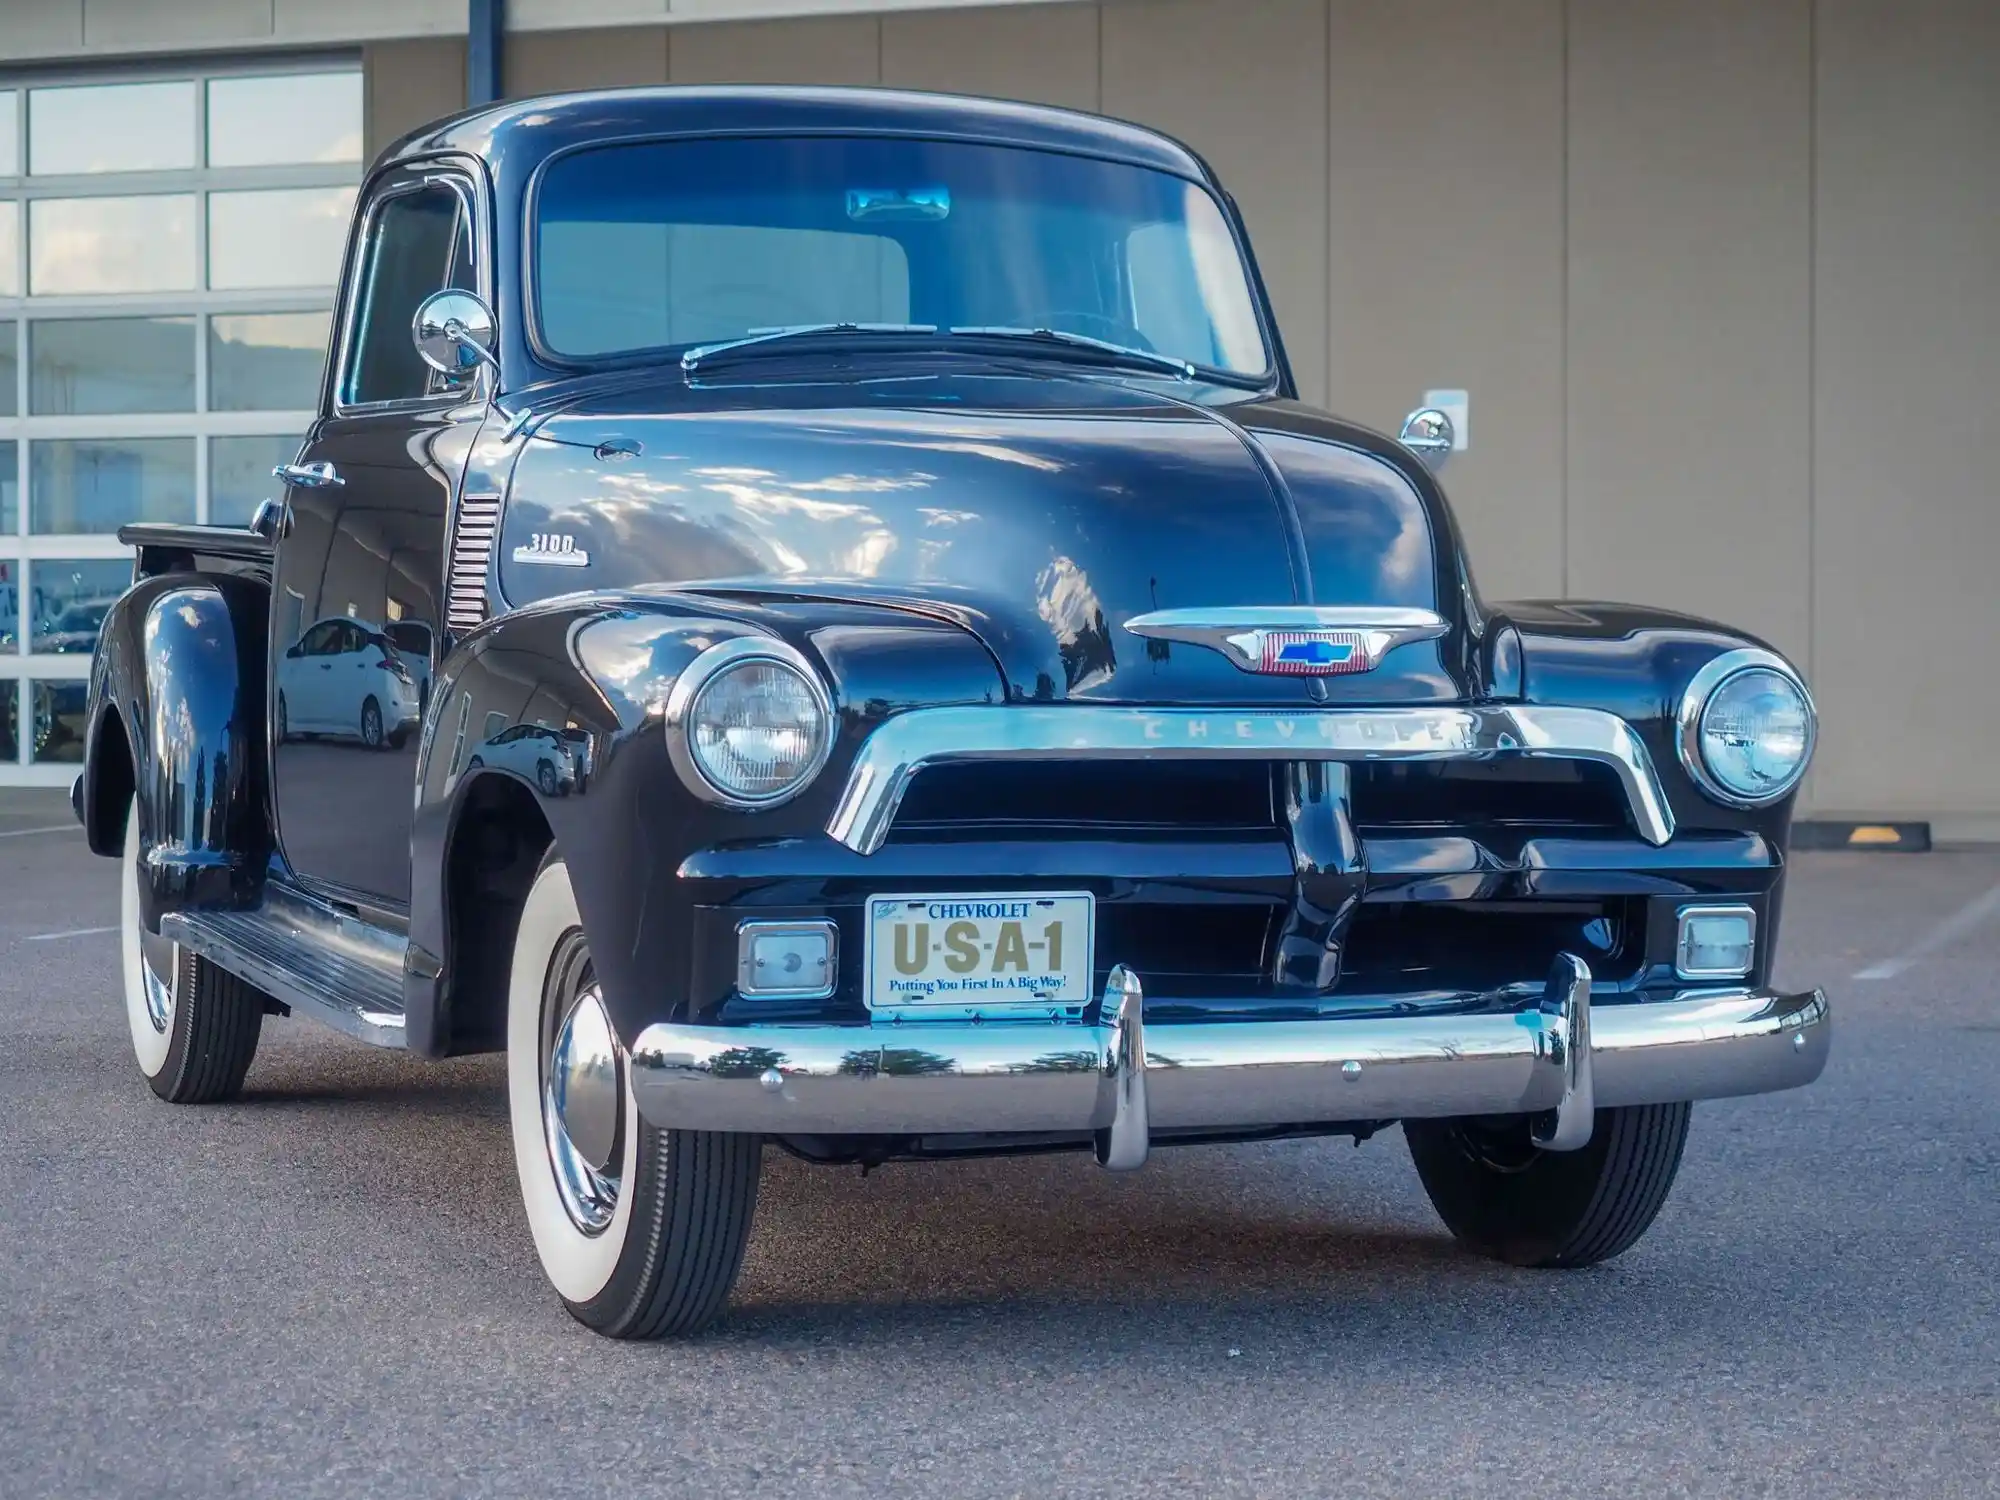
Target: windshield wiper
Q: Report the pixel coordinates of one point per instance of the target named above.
(691, 360)
(1123, 354)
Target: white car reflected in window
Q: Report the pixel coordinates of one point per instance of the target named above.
(552, 759)
(345, 680)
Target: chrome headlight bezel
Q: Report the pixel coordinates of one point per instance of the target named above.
(1701, 691)
(684, 700)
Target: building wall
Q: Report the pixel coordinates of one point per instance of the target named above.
(1719, 274)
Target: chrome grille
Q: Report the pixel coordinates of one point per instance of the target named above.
(471, 548)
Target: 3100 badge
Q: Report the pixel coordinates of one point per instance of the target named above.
(980, 953)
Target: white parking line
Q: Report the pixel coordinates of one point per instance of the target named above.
(1947, 932)
(50, 937)
(21, 833)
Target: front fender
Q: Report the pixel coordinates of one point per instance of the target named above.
(176, 723)
(593, 673)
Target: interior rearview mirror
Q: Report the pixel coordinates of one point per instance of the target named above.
(453, 331)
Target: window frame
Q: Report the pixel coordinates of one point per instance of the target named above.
(461, 176)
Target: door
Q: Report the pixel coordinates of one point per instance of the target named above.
(363, 552)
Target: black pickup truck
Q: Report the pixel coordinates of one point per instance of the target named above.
(817, 618)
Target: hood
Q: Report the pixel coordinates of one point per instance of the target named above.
(1039, 513)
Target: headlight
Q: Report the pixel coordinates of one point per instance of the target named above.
(749, 723)
(1747, 727)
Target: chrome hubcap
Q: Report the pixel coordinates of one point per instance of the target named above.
(159, 974)
(583, 1095)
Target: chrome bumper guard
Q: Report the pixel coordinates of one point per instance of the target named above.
(1556, 1061)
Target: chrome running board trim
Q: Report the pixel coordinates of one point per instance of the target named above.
(340, 970)
(891, 757)
(1126, 1079)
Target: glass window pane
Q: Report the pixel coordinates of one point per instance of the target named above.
(10, 605)
(239, 475)
(265, 361)
(294, 117)
(277, 237)
(111, 127)
(412, 251)
(10, 721)
(9, 369)
(88, 365)
(111, 244)
(67, 599)
(98, 484)
(59, 722)
(10, 491)
(10, 249)
(10, 133)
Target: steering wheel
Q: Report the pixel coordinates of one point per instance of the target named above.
(1099, 326)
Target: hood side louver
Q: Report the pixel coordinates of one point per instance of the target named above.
(471, 550)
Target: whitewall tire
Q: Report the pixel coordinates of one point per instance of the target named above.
(640, 1231)
(194, 1027)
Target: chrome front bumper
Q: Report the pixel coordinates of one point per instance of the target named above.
(1122, 1079)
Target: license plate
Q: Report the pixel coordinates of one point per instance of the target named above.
(980, 954)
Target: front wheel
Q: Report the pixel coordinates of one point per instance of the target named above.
(640, 1231)
(194, 1027)
(1507, 1199)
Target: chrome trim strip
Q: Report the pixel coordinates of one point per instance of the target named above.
(902, 746)
(1694, 701)
(1238, 631)
(956, 1078)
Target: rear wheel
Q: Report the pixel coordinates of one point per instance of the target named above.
(1509, 1200)
(194, 1027)
(641, 1231)
(371, 723)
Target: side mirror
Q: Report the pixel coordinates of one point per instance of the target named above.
(453, 331)
(1427, 433)
(295, 650)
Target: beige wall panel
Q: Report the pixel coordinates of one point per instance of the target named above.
(31, 28)
(1447, 253)
(838, 49)
(1245, 85)
(548, 62)
(726, 10)
(409, 83)
(149, 24)
(1907, 420)
(1045, 54)
(557, 15)
(1689, 308)
(355, 20)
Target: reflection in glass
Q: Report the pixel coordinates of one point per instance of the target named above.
(67, 601)
(141, 244)
(277, 236)
(59, 722)
(81, 366)
(10, 248)
(10, 721)
(293, 117)
(10, 134)
(111, 127)
(98, 484)
(10, 605)
(10, 490)
(9, 367)
(265, 361)
(239, 475)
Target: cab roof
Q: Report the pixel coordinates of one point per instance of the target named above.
(521, 132)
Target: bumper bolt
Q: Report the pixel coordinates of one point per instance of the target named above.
(1350, 1070)
(772, 1079)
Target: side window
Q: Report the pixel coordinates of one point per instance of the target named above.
(319, 641)
(419, 241)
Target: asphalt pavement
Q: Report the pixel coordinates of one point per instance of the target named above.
(328, 1288)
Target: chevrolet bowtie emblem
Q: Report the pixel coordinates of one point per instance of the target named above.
(1295, 640)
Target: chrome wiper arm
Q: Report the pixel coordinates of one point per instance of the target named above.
(691, 360)
(1146, 358)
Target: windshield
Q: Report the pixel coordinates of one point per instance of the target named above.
(667, 245)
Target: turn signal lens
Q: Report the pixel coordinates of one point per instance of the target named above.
(758, 730)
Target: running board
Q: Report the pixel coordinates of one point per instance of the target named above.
(308, 954)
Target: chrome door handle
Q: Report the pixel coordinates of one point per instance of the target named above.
(308, 476)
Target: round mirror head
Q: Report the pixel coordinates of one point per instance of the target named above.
(454, 332)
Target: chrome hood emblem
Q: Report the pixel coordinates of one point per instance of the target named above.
(1294, 640)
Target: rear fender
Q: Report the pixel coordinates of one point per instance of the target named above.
(176, 727)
